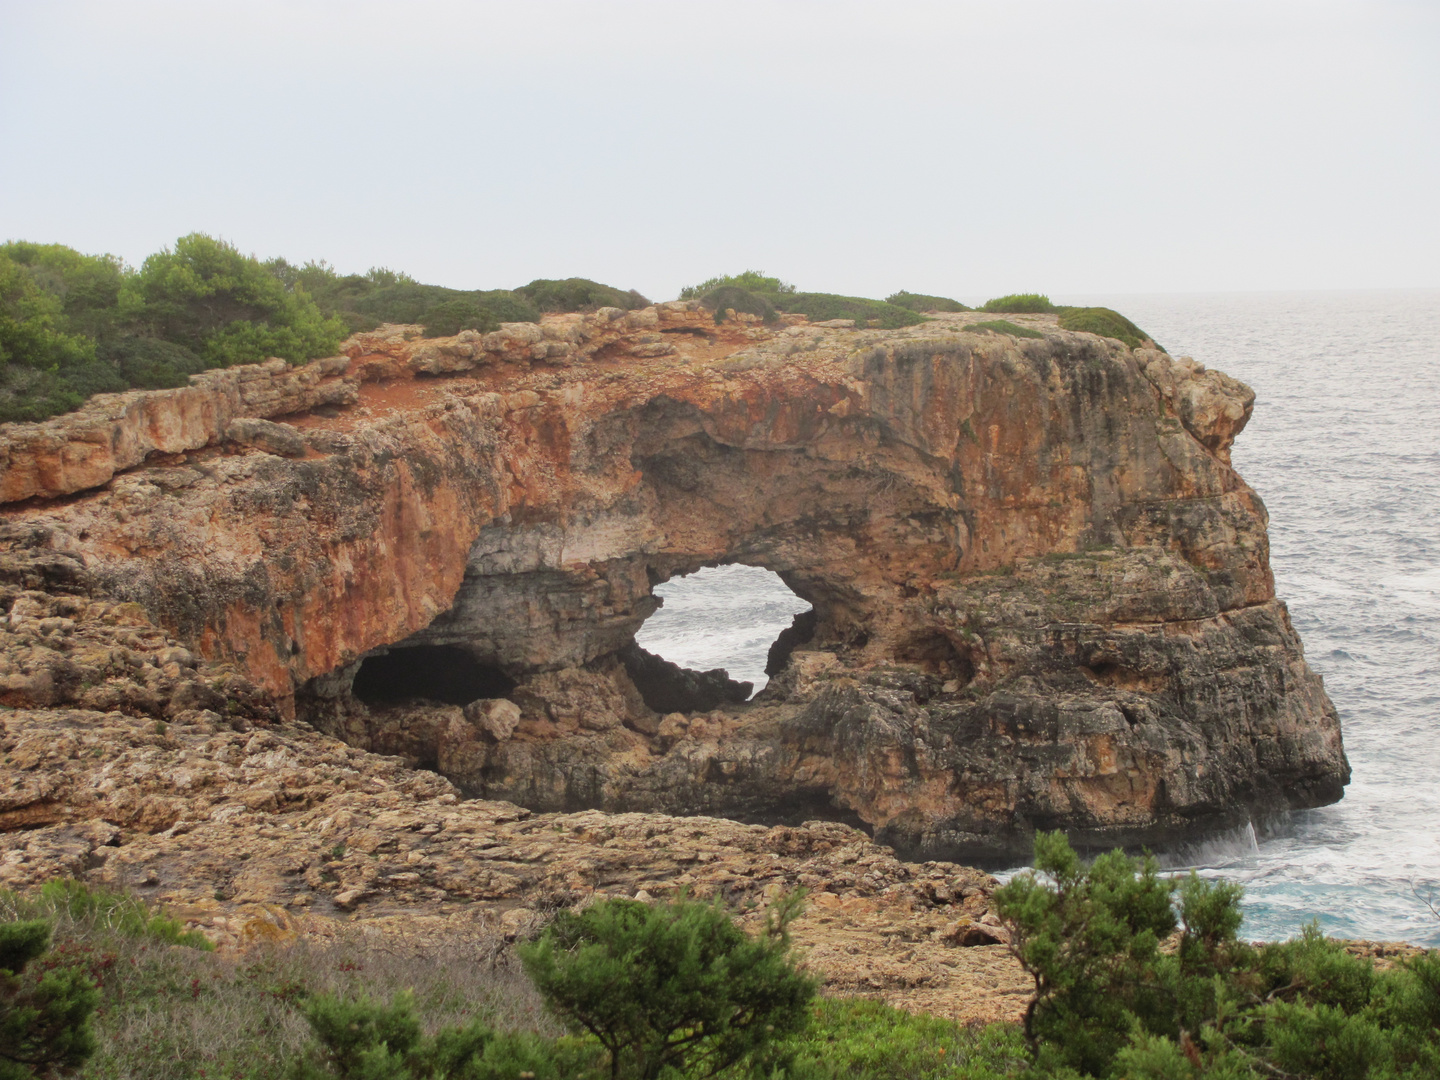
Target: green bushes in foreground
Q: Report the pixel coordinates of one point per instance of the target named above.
(1117, 996)
(672, 986)
(45, 1020)
(1137, 976)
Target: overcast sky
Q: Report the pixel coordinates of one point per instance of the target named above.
(966, 149)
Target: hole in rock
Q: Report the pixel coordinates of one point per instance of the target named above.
(725, 617)
(438, 672)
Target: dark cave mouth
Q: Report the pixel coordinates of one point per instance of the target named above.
(444, 673)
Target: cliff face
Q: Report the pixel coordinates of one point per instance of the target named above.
(1042, 596)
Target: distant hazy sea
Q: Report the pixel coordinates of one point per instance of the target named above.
(1344, 448)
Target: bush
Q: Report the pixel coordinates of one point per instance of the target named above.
(452, 316)
(364, 1040)
(225, 307)
(1020, 304)
(733, 298)
(44, 368)
(364, 301)
(1003, 326)
(45, 1021)
(923, 303)
(754, 281)
(578, 294)
(1106, 323)
(1110, 1002)
(672, 985)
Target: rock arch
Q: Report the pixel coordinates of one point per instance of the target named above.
(982, 524)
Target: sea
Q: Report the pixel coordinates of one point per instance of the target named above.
(1344, 447)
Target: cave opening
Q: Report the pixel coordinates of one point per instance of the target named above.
(742, 619)
(444, 673)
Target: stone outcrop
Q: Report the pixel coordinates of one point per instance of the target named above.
(1041, 594)
(115, 432)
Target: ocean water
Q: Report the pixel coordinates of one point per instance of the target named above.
(721, 617)
(1344, 447)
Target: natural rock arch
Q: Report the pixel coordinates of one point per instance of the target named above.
(1042, 596)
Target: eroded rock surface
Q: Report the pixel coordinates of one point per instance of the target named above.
(131, 762)
(1042, 595)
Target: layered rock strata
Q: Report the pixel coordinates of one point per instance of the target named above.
(1041, 594)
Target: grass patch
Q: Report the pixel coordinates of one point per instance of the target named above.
(921, 302)
(1003, 326)
(1106, 323)
(1020, 304)
(170, 1012)
(84, 909)
(855, 1037)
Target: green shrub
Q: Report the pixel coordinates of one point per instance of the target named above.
(672, 985)
(364, 301)
(1020, 304)
(44, 368)
(1003, 326)
(225, 307)
(44, 1021)
(578, 294)
(1109, 1002)
(754, 281)
(449, 318)
(1106, 323)
(363, 1039)
(733, 298)
(72, 325)
(1089, 936)
(921, 302)
(821, 307)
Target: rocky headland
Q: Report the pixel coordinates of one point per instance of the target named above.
(357, 638)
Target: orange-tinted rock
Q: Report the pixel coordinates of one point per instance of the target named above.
(1042, 596)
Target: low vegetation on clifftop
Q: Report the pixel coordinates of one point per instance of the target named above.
(73, 325)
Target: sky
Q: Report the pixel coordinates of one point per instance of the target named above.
(963, 149)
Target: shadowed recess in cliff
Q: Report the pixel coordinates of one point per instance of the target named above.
(443, 673)
(722, 617)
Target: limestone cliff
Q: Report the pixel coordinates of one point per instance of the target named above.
(1042, 595)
